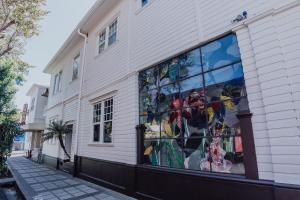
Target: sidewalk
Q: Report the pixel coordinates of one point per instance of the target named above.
(37, 182)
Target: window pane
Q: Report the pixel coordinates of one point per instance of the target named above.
(96, 132)
(195, 152)
(97, 113)
(144, 2)
(224, 155)
(169, 98)
(221, 52)
(107, 132)
(148, 79)
(171, 154)
(168, 72)
(148, 102)
(190, 87)
(112, 33)
(172, 124)
(227, 90)
(152, 124)
(226, 111)
(152, 152)
(197, 120)
(102, 38)
(190, 64)
(76, 63)
(222, 75)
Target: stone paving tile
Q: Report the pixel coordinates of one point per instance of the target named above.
(38, 182)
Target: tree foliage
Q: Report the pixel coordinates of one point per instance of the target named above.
(18, 22)
(58, 130)
(11, 74)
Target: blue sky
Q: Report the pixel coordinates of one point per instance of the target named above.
(55, 28)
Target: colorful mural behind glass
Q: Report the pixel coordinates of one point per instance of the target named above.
(189, 105)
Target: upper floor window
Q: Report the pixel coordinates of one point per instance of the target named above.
(32, 104)
(107, 37)
(102, 121)
(101, 41)
(144, 2)
(112, 36)
(57, 83)
(76, 64)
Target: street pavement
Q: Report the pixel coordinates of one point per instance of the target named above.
(38, 182)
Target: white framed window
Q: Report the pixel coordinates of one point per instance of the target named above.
(57, 83)
(107, 36)
(102, 121)
(76, 65)
(112, 34)
(101, 41)
(32, 104)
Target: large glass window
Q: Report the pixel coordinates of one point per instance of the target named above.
(188, 105)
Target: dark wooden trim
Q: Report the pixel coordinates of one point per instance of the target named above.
(140, 130)
(50, 161)
(250, 161)
(57, 163)
(75, 166)
(153, 183)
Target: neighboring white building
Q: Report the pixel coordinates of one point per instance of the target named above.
(145, 62)
(35, 121)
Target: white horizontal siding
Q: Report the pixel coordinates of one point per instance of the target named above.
(124, 122)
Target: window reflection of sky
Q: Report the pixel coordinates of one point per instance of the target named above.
(219, 53)
(224, 74)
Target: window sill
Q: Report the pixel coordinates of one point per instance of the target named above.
(106, 49)
(101, 144)
(144, 7)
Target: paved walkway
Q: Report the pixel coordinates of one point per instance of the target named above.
(38, 182)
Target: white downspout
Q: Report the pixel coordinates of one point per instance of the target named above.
(80, 88)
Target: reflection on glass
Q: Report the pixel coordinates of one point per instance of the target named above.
(190, 118)
(228, 90)
(148, 79)
(190, 63)
(168, 72)
(171, 124)
(171, 154)
(152, 152)
(226, 111)
(195, 150)
(152, 124)
(224, 74)
(167, 96)
(220, 52)
(191, 84)
(148, 101)
(107, 129)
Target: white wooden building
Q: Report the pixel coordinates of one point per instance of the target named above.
(97, 85)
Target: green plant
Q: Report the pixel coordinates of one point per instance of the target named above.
(58, 130)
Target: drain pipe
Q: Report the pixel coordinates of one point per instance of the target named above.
(85, 36)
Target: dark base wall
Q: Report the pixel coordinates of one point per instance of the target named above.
(145, 182)
(50, 161)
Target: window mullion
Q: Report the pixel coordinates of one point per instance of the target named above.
(106, 37)
(102, 123)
